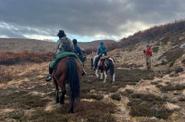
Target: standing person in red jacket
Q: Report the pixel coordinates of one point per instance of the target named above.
(148, 54)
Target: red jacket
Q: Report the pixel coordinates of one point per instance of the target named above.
(148, 51)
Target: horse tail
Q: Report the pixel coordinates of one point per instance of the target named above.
(73, 78)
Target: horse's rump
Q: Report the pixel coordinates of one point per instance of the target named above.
(60, 74)
(110, 66)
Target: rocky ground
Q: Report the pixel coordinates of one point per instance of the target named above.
(136, 96)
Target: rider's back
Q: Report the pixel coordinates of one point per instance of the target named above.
(65, 44)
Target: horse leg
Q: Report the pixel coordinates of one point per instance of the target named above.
(57, 96)
(105, 77)
(91, 63)
(62, 96)
(96, 73)
(71, 109)
(101, 75)
(63, 87)
(113, 78)
(56, 92)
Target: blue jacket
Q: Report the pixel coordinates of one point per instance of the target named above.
(102, 49)
(77, 50)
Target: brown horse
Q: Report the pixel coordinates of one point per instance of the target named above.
(69, 71)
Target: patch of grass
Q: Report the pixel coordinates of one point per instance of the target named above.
(134, 75)
(85, 111)
(23, 100)
(11, 58)
(5, 76)
(172, 55)
(148, 108)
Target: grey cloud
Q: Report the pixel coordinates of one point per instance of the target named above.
(88, 17)
(13, 30)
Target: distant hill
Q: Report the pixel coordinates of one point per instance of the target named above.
(32, 45)
(92, 46)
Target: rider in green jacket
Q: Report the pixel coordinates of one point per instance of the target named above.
(64, 48)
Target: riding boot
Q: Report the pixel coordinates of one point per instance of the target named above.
(48, 78)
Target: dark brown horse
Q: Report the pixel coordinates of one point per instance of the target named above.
(69, 71)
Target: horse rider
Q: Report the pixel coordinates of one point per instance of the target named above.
(148, 54)
(63, 44)
(102, 50)
(77, 50)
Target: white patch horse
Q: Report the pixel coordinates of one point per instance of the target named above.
(105, 65)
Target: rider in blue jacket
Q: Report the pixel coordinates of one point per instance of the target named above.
(77, 49)
(102, 49)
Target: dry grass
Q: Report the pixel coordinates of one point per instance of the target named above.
(10, 58)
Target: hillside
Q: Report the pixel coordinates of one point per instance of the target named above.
(173, 32)
(167, 42)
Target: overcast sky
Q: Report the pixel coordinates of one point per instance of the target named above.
(85, 20)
